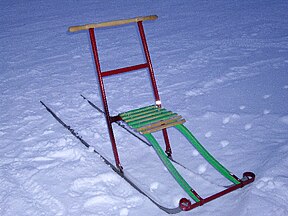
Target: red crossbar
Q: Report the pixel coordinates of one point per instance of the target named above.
(125, 69)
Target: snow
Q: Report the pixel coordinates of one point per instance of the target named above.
(220, 64)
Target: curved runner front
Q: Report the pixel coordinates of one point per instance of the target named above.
(180, 180)
(219, 167)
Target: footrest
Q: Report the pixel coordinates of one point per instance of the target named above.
(150, 119)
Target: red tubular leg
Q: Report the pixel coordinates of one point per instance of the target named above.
(153, 81)
(148, 59)
(168, 150)
(104, 99)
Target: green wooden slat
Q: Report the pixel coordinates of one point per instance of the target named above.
(137, 110)
(142, 114)
(161, 117)
(147, 117)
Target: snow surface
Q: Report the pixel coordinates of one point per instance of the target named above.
(220, 64)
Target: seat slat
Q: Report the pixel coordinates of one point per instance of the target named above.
(145, 115)
(131, 112)
(140, 113)
(162, 122)
(150, 119)
(153, 120)
(163, 126)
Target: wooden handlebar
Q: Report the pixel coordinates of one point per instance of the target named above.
(111, 23)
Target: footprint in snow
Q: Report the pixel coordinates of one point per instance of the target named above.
(102, 201)
(267, 183)
(202, 168)
(285, 87)
(224, 143)
(284, 119)
(208, 134)
(154, 186)
(80, 185)
(226, 120)
(54, 158)
(248, 126)
(91, 149)
(65, 154)
(266, 111)
(124, 212)
(42, 198)
(76, 56)
(195, 153)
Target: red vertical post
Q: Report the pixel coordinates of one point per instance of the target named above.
(153, 81)
(104, 99)
(148, 59)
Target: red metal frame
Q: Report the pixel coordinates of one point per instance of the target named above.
(153, 81)
(100, 74)
(104, 99)
(184, 203)
(123, 70)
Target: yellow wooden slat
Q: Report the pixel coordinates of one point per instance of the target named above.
(162, 122)
(163, 126)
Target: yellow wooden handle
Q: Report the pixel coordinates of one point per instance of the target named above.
(111, 23)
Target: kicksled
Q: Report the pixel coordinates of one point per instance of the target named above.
(143, 122)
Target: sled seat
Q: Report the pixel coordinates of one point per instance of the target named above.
(150, 119)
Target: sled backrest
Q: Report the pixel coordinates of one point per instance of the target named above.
(147, 64)
(102, 74)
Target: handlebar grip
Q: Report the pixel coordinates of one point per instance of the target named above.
(111, 23)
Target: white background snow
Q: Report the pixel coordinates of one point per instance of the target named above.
(220, 64)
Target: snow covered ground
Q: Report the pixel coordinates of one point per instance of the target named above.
(220, 64)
